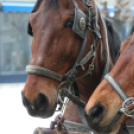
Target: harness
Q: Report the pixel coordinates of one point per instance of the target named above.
(82, 23)
(128, 102)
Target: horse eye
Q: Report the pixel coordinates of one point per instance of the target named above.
(29, 30)
(69, 23)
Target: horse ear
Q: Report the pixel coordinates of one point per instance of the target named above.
(29, 29)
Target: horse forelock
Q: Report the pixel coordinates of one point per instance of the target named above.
(36, 6)
(53, 3)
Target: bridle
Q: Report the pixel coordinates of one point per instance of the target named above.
(128, 102)
(82, 23)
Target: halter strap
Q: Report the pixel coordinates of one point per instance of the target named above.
(116, 87)
(106, 68)
(40, 71)
(87, 3)
(127, 101)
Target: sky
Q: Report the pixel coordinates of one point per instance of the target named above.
(14, 118)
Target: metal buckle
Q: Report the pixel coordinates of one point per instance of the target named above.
(82, 23)
(91, 67)
(126, 105)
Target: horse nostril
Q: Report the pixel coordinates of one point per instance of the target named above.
(26, 102)
(41, 103)
(97, 111)
(96, 114)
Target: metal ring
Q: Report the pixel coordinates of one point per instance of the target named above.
(124, 106)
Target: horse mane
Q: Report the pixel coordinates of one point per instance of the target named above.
(113, 40)
(38, 2)
(132, 29)
(54, 4)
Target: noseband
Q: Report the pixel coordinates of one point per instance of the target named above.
(128, 102)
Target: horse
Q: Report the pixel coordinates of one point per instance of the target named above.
(69, 49)
(112, 102)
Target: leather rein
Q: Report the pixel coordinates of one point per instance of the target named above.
(128, 102)
(82, 23)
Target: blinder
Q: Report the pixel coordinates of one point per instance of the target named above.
(80, 21)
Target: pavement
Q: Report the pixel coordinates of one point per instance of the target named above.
(14, 118)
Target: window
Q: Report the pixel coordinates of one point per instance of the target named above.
(15, 44)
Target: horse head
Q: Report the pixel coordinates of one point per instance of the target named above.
(58, 28)
(103, 110)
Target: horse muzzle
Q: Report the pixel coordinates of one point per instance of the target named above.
(95, 116)
(40, 106)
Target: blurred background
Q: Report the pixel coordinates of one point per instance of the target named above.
(15, 54)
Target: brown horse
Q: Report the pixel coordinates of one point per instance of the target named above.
(103, 108)
(55, 49)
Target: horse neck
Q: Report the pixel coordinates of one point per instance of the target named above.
(87, 85)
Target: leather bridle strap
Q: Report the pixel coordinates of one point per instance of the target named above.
(72, 75)
(40, 71)
(116, 87)
(86, 2)
(128, 102)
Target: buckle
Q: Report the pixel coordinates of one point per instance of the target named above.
(127, 105)
(91, 67)
(88, 3)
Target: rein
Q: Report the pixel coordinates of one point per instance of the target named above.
(128, 102)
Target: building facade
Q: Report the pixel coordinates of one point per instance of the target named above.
(15, 44)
